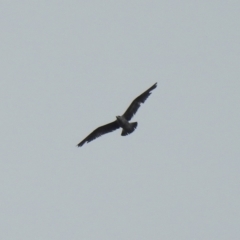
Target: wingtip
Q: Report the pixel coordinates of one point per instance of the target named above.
(153, 86)
(79, 145)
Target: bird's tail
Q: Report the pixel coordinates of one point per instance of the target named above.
(134, 126)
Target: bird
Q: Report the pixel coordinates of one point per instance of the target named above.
(121, 121)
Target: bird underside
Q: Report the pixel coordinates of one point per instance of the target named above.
(126, 125)
(126, 132)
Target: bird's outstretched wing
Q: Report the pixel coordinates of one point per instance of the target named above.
(99, 132)
(132, 109)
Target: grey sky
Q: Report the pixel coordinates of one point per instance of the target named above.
(68, 67)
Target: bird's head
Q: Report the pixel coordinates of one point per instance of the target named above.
(118, 117)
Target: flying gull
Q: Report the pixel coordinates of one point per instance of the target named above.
(121, 121)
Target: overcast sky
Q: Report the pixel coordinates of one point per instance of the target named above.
(68, 67)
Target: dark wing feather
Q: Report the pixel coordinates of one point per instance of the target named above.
(99, 132)
(132, 109)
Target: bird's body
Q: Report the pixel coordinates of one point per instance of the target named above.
(125, 125)
(121, 121)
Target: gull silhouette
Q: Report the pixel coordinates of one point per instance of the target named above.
(121, 121)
